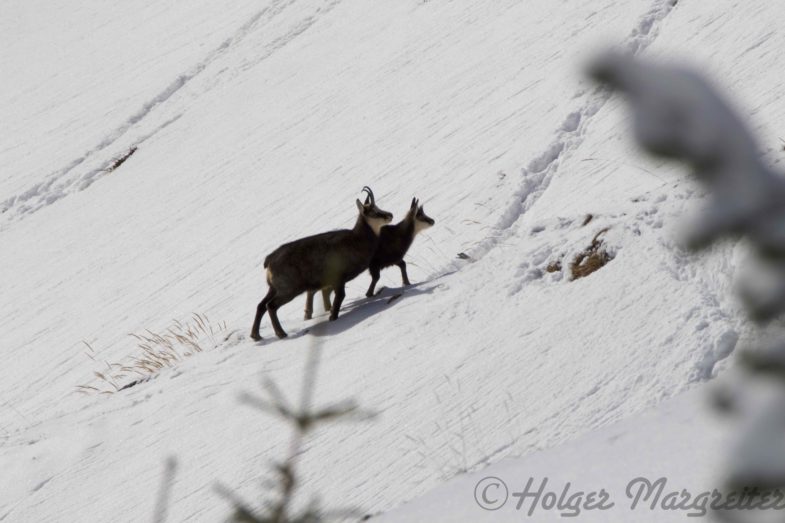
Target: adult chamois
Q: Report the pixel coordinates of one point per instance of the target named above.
(394, 243)
(324, 260)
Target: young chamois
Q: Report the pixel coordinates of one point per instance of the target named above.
(324, 260)
(394, 242)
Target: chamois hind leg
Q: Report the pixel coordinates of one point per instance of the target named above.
(309, 305)
(340, 293)
(375, 271)
(272, 307)
(326, 298)
(257, 321)
(404, 276)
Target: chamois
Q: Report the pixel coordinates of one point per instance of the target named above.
(329, 259)
(394, 242)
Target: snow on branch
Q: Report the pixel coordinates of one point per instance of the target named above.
(677, 114)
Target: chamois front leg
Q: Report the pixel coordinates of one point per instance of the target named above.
(308, 305)
(340, 293)
(309, 302)
(326, 298)
(272, 308)
(260, 309)
(375, 271)
(404, 276)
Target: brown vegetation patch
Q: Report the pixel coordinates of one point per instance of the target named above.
(156, 351)
(593, 258)
(554, 266)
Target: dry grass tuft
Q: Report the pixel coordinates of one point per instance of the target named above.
(593, 258)
(156, 351)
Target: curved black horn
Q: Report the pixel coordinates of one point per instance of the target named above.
(370, 197)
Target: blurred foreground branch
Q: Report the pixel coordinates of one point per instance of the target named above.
(303, 420)
(678, 115)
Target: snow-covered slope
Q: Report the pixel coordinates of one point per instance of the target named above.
(260, 123)
(680, 441)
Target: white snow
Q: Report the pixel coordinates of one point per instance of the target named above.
(618, 459)
(260, 123)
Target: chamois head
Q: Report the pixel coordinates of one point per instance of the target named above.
(373, 216)
(417, 214)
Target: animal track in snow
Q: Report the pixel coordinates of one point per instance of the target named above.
(159, 111)
(536, 176)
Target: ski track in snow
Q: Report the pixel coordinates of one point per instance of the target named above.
(96, 162)
(569, 136)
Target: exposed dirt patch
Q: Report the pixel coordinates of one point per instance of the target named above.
(121, 160)
(593, 258)
(554, 266)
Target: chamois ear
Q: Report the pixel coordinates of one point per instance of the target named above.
(414, 203)
(359, 205)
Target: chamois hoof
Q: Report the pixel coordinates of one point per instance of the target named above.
(255, 336)
(333, 318)
(368, 294)
(307, 316)
(281, 334)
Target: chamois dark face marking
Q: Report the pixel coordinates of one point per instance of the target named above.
(326, 260)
